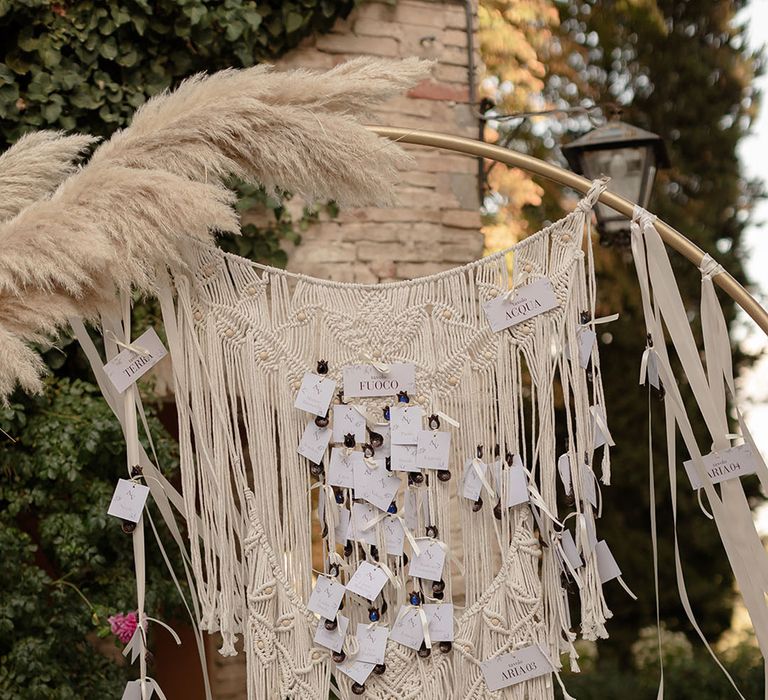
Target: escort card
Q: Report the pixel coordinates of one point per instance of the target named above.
(509, 669)
(433, 449)
(375, 485)
(366, 380)
(517, 484)
(386, 447)
(607, 568)
(564, 470)
(367, 581)
(588, 485)
(128, 366)
(727, 464)
(440, 621)
(332, 639)
(358, 671)
(429, 564)
(128, 500)
(341, 471)
(315, 394)
(528, 301)
(362, 515)
(473, 485)
(394, 535)
(407, 629)
(347, 419)
(341, 531)
(404, 458)
(599, 437)
(569, 548)
(405, 424)
(372, 643)
(411, 509)
(326, 597)
(587, 340)
(314, 442)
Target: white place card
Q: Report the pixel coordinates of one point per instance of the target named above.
(411, 509)
(326, 597)
(586, 338)
(315, 394)
(440, 621)
(564, 470)
(358, 671)
(433, 449)
(367, 581)
(607, 568)
(404, 458)
(508, 669)
(362, 515)
(341, 531)
(473, 485)
(385, 450)
(727, 464)
(375, 485)
(372, 643)
(332, 639)
(314, 442)
(405, 423)
(366, 380)
(394, 535)
(588, 485)
(528, 301)
(599, 437)
(517, 484)
(569, 548)
(128, 500)
(407, 629)
(429, 563)
(133, 690)
(341, 470)
(346, 420)
(128, 366)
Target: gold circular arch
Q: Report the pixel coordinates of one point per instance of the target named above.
(671, 236)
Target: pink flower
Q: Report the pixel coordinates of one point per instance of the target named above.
(123, 625)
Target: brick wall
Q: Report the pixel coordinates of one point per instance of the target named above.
(437, 224)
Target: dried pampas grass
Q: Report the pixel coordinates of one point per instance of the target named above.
(35, 166)
(159, 182)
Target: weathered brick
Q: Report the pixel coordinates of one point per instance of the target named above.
(461, 218)
(412, 270)
(331, 252)
(365, 26)
(423, 13)
(455, 37)
(351, 44)
(445, 92)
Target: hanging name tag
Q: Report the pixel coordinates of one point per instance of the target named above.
(564, 470)
(358, 671)
(377, 486)
(517, 484)
(433, 449)
(405, 424)
(509, 669)
(346, 420)
(599, 437)
(411, 509)
(366, 380)
(326, 597)
(440, 621)
(407, 629)
(362, 515)
(367, 581)
(314, 442)
(128, 366)
(341, 470)
(332, 639)
(607, 568)
(404, 458)
(372, 643)
(128, 500)
(473, 484)
(569, 548)
(529, 301)
(721, 466)
(394, 536)
(588, 485)
(133, 690)
(315, 394)
(587, 340)
(429, 564)
(341, 531)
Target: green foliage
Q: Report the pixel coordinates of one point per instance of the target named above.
(67, 565)
(88, 65)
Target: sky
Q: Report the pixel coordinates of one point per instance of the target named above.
(753, 153)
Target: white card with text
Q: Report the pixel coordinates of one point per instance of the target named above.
(128, 500)
(433, 448)
(346, 420)
(372, 643)
(358, 671)
(394, 535)
(607, 567)
(341, 531)
(473, 485)
(587, 338)
(365, 380)
(407, 629)
(326, 597)
(128, 366)
(341, 470)
(315, 394)
(517, 484)
(332, 639)
(376, 485)
(314, 442)
(404, 458)
(429, 563)
(440, 621)
(508, 669)
(721, 466)
(362, 515)
(405, 424)
(527, 302)
(367, 581)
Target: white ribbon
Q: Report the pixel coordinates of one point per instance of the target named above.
(127, 346)
(476, 462)
(602, 426)
(448, 419)
(425, 627)
(382, 367)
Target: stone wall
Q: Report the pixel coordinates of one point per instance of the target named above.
(437, 223)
